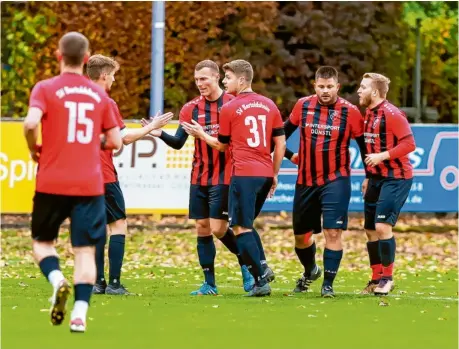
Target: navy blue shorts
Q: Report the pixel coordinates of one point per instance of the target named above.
(384, 200)
(209, 201)
(330, 200)
(114, 202)
(87, 218)
(246, 198)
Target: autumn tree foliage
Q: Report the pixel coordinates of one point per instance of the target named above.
(285, 42)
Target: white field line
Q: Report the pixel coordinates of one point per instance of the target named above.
(401, 296)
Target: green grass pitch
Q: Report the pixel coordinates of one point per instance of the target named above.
(161, 269)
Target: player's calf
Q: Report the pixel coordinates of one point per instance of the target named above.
(333, 253)
(375, 262)
(305, 248)
(84, 279)
(116, 248)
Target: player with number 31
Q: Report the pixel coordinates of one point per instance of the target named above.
(248, 123)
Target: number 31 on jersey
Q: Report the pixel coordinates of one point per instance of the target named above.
(254, 123)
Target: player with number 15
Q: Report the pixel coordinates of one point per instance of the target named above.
(73, 112)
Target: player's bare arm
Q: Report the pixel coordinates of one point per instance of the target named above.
(176, 141)
(134, 134)
(31, 126)
(196, 130)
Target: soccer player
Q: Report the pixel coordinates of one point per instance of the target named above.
(73, 112)
(210, 176)
(327, 123)
(101, 70)
(248, 123)
(389, 140)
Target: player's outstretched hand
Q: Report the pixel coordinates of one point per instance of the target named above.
(145, 122)
(294, 158)
(273, 187)
(194, 129)
(160, 120)
(154, 133)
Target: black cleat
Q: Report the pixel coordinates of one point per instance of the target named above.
(268, 273)
(259, 291)
(327, 292)
(116, 290)
(99, 287)
(303, 283)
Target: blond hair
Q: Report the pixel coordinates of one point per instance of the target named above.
(99, 64)
(240, 68)
(379, 82)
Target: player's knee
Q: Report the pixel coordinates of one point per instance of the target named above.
(333, 235)
(218, 227)
(119, 227)
(203, 227)
(218, 233)
(372, 235)
(304, 240)
(384, 231)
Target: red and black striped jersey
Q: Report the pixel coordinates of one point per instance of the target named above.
(325, 134)
(210, 166)
(385, 125)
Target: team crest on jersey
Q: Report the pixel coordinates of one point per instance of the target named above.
(332, 114)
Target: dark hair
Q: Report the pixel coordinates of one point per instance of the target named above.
(327, 72)
(73, 47)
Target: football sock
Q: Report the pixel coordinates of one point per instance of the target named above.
(260, 245)
(206, 254)
(387, 251)
(375, 260)
(82, 297)
(307, 257)
(49, 266)
(115, 257)
(251, 255)
(332, 259)
(229, 240)
(100, 262)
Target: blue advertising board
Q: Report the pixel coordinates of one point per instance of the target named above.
(436, 174)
